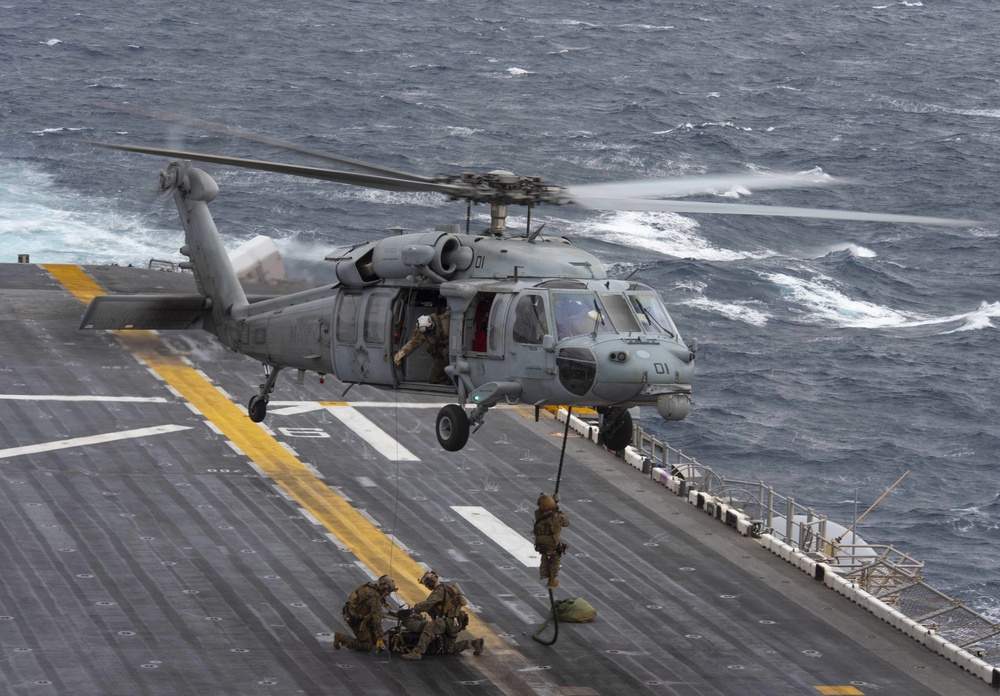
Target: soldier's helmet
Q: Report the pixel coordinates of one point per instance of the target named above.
(385, 584)
(426, 324)
(429, 579)
(546, 502)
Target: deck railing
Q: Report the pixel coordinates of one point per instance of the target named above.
(891, 575)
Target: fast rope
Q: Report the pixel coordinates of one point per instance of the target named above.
(553, 613)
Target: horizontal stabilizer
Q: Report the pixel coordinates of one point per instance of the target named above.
(152, 312)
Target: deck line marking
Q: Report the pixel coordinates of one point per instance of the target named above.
(115, 399)
(90, 440)
(502, 664)
(497, 531)
(384, 444)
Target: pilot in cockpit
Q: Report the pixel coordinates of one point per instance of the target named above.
(574, 317)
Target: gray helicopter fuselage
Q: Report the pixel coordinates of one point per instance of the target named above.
(509, 303)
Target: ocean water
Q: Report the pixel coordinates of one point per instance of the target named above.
(834, 356)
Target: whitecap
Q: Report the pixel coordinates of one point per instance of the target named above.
(46, 131)
(736, 311)
(51, 42)
(824, 301)
(519, 71)
(670, 234)
(978, 318)
(648, 27)
(855, 250)
(463, 131)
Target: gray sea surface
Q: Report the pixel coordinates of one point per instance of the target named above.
(834, 356)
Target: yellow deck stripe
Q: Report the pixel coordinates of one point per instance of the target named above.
(369, 544)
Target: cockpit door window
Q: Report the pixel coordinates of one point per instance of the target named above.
(530, 320)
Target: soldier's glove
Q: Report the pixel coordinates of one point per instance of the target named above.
(398, 358)
(404, 613)
(379, 646)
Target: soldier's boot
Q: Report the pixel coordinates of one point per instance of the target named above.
(478, 644)
(338, 638)
(417, 653)
(553, 582)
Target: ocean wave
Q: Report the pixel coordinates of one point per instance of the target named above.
(851, 248)
(670, 234)
(54, 225)
(825, 302)
(749, 312)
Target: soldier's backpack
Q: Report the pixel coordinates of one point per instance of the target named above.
(575, 610)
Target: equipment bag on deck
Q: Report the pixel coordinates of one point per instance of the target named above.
(575, 610)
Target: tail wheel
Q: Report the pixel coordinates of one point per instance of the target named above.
(616, 430)
(257, 408)
(452, 427)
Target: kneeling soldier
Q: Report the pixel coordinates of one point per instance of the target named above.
(444, 605)
(363, 613)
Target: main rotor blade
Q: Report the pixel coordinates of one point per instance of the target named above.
(353, 178)
(222, 129)
(691, 185)
(641, 205)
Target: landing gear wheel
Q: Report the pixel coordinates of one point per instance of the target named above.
(616, 430)
(257, 408)
(452, 427)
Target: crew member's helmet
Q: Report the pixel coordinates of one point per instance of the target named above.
(426, 324)
(429, 579)
(546, 502)
(385, 585)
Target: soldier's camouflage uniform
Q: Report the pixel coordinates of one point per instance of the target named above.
(363, 613)
(444, 607)
(548, 529)
(437, 346)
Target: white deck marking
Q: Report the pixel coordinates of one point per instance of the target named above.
(494, 528)
(90, 440)
(383, 443)
(118, 399)
(293, 410)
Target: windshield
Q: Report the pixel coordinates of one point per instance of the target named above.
(578, 313)
(652, 315)
(634, 311)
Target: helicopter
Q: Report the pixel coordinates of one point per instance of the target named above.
(530, 318)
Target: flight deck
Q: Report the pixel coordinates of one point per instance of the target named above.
(154, 540)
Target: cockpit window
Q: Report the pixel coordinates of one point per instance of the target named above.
(577, 314)
(617, 308)
(652, 315)
(530, 320)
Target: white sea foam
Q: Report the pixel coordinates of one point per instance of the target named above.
(855, 250)
(826, 303)
(664, 233)
(54, 226)
(649, 27)
(736, 311)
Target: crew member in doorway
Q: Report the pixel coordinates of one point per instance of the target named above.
(549, 522)
(432, 329)
(363, 613)
(447, 619)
